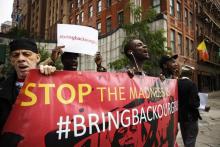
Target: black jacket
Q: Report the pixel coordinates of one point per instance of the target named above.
(188, 100)
(8, 96)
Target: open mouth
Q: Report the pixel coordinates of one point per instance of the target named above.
(146, 54)
(23, 67)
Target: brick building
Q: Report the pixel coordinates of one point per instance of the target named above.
(25, 15)
(185, 22)
(15, 12)
(57, 11)
(40, 17)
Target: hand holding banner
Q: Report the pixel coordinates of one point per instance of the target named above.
(77, 39)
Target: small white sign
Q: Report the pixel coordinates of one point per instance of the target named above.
(77, 38)
(203, 100)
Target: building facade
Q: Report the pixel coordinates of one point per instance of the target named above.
(25, 15)
(107, 17)
(207, 28)
(185, 22)
(57, 11)
(15, 12)
(40, 17)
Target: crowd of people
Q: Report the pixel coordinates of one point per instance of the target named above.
(24, 55)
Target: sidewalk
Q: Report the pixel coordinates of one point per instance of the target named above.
(209, 127)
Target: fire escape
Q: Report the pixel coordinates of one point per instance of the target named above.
(209, 14)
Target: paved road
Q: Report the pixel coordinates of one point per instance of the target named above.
(209, 127)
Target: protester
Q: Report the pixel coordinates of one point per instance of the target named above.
(69, 61)
(188, 107)
(169, 66)
(56, 52)
(137, 53)
(98, 61)
(24, 56)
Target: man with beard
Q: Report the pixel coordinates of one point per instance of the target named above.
(69, 61)
(169, 66)
(137, 52)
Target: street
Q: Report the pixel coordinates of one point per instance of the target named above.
(209, 126)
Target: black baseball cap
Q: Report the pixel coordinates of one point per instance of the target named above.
(166, 58)
(23, 43)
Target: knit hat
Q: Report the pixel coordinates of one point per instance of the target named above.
(23, 43)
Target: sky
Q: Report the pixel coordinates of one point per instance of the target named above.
(5, 10)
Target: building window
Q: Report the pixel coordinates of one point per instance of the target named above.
(190, 20)
(172, 7)
(178, 9)
(156, 5)
(121, 18)
(186, 17)
(78, 3)
(191, 48)
(108, 3)
(180, 42)
(197, 30)
(172, 40)
(82, 16)
(187, 46)
(99, 27)
(108, 25)
(196, 6)
(77, 19)
(99, 6)
(90, 11)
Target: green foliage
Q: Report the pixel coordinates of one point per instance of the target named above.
(45, 54)
(16, 32)
(153, 39)
(58, 64)
(120, 63)
(8, 69)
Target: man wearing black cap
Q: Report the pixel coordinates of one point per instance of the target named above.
(24, 56)
(169, 66)
(68, 59)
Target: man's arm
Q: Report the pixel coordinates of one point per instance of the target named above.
(194, 97)
(56, 52)
(98, 61)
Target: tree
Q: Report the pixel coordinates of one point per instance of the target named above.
(45, 54)
(16, 32)
(153, 39)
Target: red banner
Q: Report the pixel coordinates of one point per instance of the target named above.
(93, 109)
